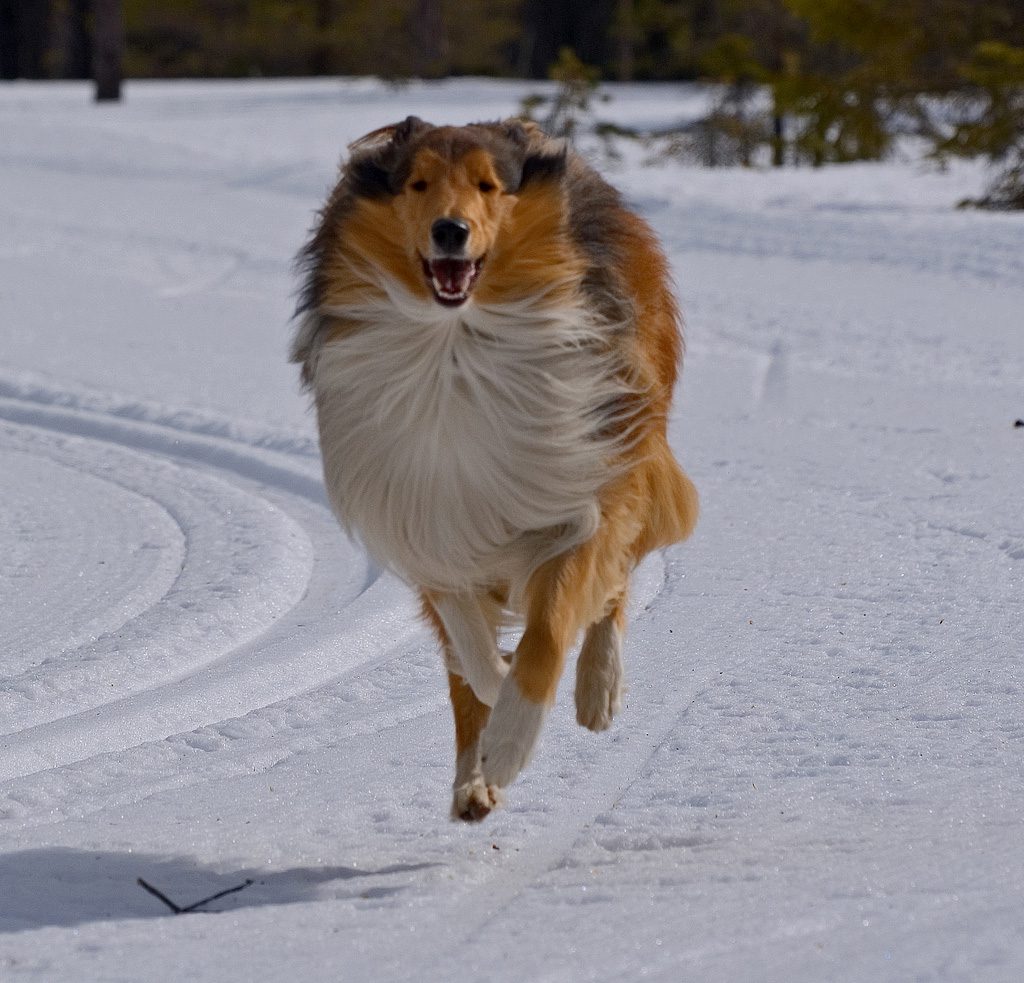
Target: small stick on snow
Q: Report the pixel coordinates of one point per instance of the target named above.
(192, 907)
(159, 894)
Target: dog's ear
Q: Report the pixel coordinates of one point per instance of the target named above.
(521, 132)
(386, 136)
(543, 157)
(367, 178)
(371, 167)
(543, 165)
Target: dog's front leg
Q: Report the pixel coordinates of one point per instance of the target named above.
(472, 798)
(473, 641)
(562, 595)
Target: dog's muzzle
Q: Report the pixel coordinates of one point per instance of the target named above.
(449, 272)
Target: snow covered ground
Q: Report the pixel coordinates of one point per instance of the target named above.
(819, 771)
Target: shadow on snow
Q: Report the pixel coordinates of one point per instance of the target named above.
(64, 887)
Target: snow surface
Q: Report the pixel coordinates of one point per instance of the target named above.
(817, 774)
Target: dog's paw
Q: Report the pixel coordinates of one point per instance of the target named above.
(508, 740)
(474, 801)
(599, 676)
(598, 696)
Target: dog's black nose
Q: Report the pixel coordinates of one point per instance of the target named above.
(450, 235)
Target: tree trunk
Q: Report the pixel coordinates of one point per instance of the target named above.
(322, 60)
(77, 41)
(8, 40)
(624, 42)
(778, 140)
(108, 42)
(431, 42)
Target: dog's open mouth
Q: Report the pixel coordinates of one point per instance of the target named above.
(451, 280)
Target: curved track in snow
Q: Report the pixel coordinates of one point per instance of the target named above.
(215, 580)
(200, 579)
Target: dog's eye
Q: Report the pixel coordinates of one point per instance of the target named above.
(485, 186)
(420, 185)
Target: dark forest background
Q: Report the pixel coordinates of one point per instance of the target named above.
(813, 81)
(919, 43)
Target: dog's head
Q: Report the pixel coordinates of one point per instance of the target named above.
(436, 207)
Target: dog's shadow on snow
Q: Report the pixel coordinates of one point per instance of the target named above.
(64, 887)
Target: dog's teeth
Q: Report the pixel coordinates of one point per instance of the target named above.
(451, 280)
(446, 294)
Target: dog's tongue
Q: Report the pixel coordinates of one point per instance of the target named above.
(452, 277)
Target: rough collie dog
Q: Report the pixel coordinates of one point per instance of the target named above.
(491, 343)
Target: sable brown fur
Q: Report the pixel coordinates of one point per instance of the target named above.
(556, 316)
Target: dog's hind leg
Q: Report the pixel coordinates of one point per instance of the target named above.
(599, 670)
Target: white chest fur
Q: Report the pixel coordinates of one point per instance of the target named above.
(464, 448)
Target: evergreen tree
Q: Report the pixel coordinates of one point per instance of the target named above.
(993, 123)
(852, 75)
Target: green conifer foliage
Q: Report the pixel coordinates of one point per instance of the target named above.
(993, 126)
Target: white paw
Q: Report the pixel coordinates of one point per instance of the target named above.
(474, 800)
(508, 740)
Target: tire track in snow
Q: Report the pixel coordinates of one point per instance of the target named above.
(107, 553)
(324, 716)
(245, 563)
(290, 606)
